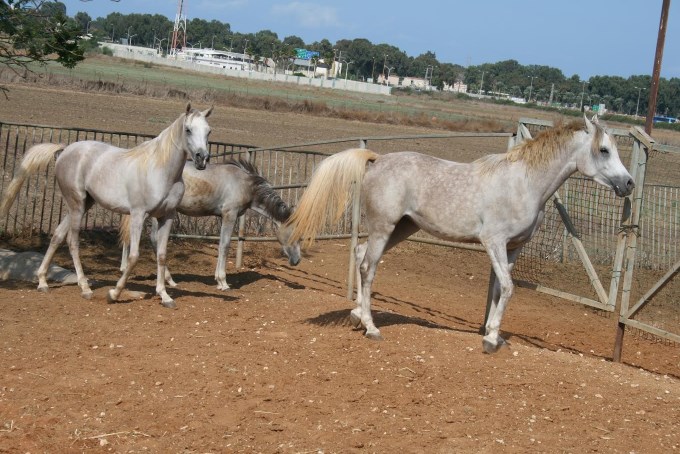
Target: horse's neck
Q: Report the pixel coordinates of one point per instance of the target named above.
(262, 209)
(169, 153)
(548, 178)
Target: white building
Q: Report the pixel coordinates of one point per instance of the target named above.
(216, 58)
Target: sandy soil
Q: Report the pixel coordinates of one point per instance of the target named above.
(274, 366)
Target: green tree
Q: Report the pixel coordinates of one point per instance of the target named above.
(37, 34)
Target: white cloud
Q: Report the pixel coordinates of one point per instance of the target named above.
(308, 15)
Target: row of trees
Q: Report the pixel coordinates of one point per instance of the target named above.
(544, 84)
(29, 33)
(364, 60)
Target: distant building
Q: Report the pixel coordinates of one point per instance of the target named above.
(216, 58)
(457, 87)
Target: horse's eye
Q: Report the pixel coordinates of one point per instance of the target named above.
(188, 131)
(604, 150)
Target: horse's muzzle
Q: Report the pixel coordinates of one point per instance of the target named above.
(201, 160)
(625, 188)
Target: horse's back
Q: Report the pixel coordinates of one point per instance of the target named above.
(217, 187)
(79, 159)
(440, 196)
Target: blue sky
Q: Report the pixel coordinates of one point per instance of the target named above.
(584, 37)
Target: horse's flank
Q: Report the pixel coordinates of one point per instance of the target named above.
(538, 152)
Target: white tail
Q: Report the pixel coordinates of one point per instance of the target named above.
(325, 199)
(36, 158)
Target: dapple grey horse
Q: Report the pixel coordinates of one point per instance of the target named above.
(227, 190)
(497, 200)
(144, 180)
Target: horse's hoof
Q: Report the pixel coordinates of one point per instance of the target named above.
(169, 304)
(374, 335)
(354, 320)
(172, 284)
(492, 347)
(86, 295)
(109, 297)
(43, 289)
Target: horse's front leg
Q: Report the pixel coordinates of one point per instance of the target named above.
(164, 227)
(136, 222)
(228, 222)
(502, 262)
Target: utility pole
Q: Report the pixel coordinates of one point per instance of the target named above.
(583, 90)
(481, 84)
(654, 89)
(384, 66)
(637, 106)
(531, 87)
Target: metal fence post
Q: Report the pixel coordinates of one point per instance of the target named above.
(356, 219)
(242, 226)
(639, 163)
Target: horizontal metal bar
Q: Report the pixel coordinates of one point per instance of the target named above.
(454, 135)
(564, 295)
(650, 329)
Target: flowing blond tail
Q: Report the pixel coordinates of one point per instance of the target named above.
(36, 159)
(124, 230)
(325, 199)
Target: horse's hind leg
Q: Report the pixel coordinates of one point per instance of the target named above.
(404, 229)
(355, 314)
(56, 240)
(375, 246)
(73, 239)
(228, 222)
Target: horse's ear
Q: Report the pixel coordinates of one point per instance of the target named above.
(590, 125)
(207, 113)
(188, 108)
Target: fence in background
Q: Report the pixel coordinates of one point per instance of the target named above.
(551, 262)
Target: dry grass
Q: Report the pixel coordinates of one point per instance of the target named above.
(255, 102)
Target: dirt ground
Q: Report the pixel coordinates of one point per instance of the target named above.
(273, 364)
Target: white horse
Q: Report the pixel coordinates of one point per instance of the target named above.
(498, 201)
(226, 190)
(144, 180)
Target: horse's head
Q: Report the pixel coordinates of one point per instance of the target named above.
(196, 131)
(291, 250)
(600, 160)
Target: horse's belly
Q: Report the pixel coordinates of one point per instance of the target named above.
(461, 230)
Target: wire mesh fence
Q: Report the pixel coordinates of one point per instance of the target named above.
(550, 259)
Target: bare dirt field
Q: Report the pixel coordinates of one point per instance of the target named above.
(273, 364)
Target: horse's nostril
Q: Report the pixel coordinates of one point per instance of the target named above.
(630, 184)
